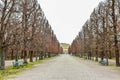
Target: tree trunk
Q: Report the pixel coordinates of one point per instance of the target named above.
(96, 59)
(39, 55)
(35, 52)
(16, 57)
(42, 55)
(6, 53)
(25, 57)
(106, 55)
(117, 57)
(31, 56)
(102, 55)
(115, 34)
(49, 55)
(12, 55)
(110, 55)
(90, 55)
(2, 59)
(21, 54)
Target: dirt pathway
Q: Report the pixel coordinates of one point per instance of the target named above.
(66, 67)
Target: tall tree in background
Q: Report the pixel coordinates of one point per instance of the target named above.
(6, 11)
(102, 31)
(115, 33)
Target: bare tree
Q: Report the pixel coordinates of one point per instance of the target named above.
(7, 9)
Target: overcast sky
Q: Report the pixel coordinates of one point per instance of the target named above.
(67, 16)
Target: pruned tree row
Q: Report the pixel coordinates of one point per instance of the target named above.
(100, 35)
(25, 32)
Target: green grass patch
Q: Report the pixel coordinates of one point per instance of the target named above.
(111, 64)
(115, 67)
(11, 72)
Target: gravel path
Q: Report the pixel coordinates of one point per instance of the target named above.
(66, 67)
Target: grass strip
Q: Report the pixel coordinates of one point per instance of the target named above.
(11, 72)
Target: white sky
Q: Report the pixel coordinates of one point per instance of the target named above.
(67, 16)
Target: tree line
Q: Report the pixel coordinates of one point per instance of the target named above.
(25, 32)
(100, 35)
